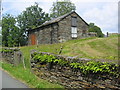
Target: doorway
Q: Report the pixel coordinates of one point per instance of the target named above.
(33, 39)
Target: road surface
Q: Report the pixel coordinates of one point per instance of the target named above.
(9, 82)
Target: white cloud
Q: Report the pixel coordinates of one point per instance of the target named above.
(16, 1)
(46, 6)
(60, 0)
(106, 17)
(18, 6)
(15, 8)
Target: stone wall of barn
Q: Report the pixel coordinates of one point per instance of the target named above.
(44, 35)
(54, 33)
(48, 34)
(64, 32)
(60, 31)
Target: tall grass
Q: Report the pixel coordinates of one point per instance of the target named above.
(28, 77)
(93, 47)
(98, 48)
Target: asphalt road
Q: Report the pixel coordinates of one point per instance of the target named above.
(6, 81)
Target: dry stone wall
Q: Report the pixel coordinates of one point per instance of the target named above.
(12, 55)
(69, 77)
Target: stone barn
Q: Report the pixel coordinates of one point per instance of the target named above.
(61, 29)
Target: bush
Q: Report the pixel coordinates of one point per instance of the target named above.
(93, 28)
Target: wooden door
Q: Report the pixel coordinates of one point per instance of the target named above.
(33, 39)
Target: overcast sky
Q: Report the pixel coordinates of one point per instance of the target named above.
(104, 13)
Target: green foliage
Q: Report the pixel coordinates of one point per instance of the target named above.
(0, 32)
(60, 62)
(49, 59)
(93, 28)
(14, 29)
(7, 50)
(10, 31)
(89, 67)
(75, 65)
(95, 67)
(0, 39)
(61, 7)
(0, 23)
(32, 17)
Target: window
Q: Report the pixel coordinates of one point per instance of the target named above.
(74, 21)
(74, 32)
(74, 27)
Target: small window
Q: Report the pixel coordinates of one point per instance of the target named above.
(74, 32)
(74, 21)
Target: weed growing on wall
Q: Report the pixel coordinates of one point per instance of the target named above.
(90, 67)
(8, 50)
(48, 59)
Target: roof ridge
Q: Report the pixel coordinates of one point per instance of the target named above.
(55, 19)
(58, 19)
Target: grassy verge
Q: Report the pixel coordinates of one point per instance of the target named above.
(27, 77)
(93, 48)
(100, 48)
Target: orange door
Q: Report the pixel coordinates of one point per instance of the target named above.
(33, 39)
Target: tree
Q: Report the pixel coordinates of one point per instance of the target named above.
(60, 8)
(94, 28)
(0, 32)
(13, 37)
(9, 31)
(0, 40)
(0, 23)
(14, 30)
(32, 17)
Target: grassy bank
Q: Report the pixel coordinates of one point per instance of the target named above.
(93, 48)
(27, 77)
(98, 48)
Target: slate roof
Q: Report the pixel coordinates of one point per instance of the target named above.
(59, 19)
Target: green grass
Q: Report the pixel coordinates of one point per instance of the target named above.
(28, 77)
(97, 48)
(94, 48)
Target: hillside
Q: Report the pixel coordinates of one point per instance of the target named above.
(93, 48)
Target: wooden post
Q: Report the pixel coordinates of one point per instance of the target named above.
(61, 48)
(23, 62)
(107, 34)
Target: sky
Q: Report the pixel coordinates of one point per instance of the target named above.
(104, 13)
